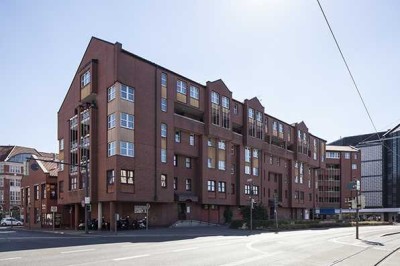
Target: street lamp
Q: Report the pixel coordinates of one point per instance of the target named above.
(87, 198)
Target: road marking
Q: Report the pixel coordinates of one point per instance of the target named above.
(133, 257)
(15, 258)
(184, 249)
(76, 251)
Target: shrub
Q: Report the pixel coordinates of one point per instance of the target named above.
(235, 224)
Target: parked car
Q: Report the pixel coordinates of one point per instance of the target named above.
(10, 221)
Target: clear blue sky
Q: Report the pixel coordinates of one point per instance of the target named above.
(279, 51)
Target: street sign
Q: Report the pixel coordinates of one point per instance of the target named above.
(53, 208)
(140, 208)
(87, 200)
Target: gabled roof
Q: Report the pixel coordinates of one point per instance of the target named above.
(4, 152)
(340, 148)
(256, 101)
(50, 168)
(302, 125)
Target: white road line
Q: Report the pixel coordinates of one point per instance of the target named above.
(76, 251)
(15, 258)
(133, 257)
(184, 249)
(245, 261)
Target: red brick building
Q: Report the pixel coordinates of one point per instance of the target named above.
(39, 193)
(12, 160)
(343, 166)
(150, 135)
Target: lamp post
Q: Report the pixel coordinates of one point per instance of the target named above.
(87, 198)
(251, 203)
(358, 188)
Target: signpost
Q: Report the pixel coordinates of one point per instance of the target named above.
(53, 210)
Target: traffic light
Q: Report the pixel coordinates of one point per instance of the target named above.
(89, 207)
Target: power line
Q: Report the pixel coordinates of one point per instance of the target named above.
(354, 82)
(348, 69)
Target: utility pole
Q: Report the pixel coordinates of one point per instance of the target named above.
(87, 199)
(276, 211)
(358, 188)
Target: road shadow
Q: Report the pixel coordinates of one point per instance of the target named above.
(19, 239)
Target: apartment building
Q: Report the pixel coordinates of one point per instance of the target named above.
(12, 159)
(189, 150)
(380, 177)
(343, 166)
(39, 193)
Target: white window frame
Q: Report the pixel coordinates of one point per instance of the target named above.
(85, 78)
(164, 79)
(126, 148)
(221, 165)
(181, 87)
(111, 149)
(127, 93)
(111, 121)
(225, 102)
(127, 121)
(111, 93)
(194, 92)
(163, 130)
(61, 144)
(251, 113)
(163, 155)
(211, 186)
(164, 105)
(215, 97)
(222, 186)
(191, 139)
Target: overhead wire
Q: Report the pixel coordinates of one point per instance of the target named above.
(352, 78)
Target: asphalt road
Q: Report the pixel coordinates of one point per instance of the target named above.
(379, 245)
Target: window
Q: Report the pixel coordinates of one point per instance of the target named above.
(211, 185)
(247, 170)
(177, 136)
(127, 120)
(332, 155)
(111, 94)
(163, 104)
(43, 191)
(347, 155)
(164, 79)
(36, 192)
(255, 153)
(247, 155)
(73, 183)
(111, 121)
(258, 116)
(251, 113)
(163, 130)
(221, 165)
(255, 190)
(188, 162)
(191, 139)
(221, 145)
(215, 97)
(85, 79)
(194, 92)
(61, 144)
(355, 156)
(225, 102)
(126, 148)
(175, 160)
(354, 166)
(127, 177)
(181, 87)
(127, 93)
(175, 183)
(163, 155)
(111, 148)
(235, 109)
(188, 184)
(221, 187)
(110, 177)
(247, 189)
(163, 180)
